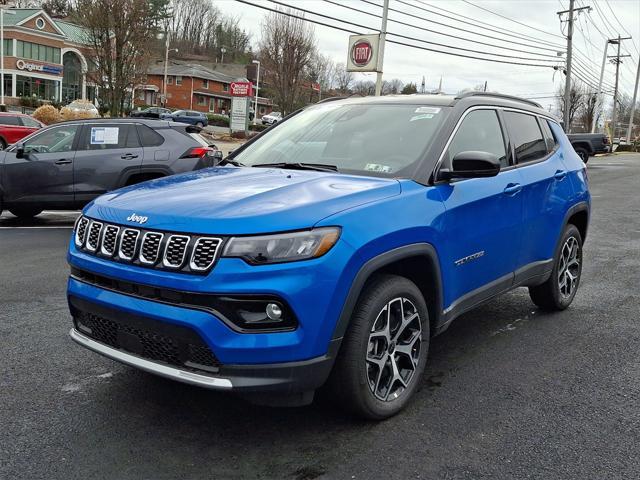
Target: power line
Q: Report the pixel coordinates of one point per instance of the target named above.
(412, 15)
(555, 58)
(511, 19)
(623, 29)
(414, 39)
(288, 14)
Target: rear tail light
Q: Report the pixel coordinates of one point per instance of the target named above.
(198, 152)
(605, 140)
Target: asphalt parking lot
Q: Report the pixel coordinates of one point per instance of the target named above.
(509, 392)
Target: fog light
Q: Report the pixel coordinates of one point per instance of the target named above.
(274, 312)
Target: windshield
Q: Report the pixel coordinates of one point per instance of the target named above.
(379, 139)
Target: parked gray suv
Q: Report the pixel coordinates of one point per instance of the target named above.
(67, 165)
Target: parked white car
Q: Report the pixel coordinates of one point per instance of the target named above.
(272, 118)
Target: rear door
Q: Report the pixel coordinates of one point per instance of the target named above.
(546, 188)
(483, 216)
(108, 154)
(12, 129)
(44, 174)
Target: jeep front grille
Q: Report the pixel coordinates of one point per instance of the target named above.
(186, 253)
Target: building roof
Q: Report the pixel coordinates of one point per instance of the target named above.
(72, 32)
(192, 70)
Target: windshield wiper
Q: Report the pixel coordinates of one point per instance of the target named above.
(320, 167)
(232, 162)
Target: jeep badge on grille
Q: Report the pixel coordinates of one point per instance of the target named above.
(137, 218)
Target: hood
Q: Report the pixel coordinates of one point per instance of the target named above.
(232, 201)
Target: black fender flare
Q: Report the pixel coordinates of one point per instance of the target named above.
(127, 174)
(372, 265)
(582, 206)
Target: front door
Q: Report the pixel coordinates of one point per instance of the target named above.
(43, 173)
(483, 217)
(108, 154)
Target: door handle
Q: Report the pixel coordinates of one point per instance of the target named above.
(63, 161)
(128, 156)
(512, 188)
(560, 174)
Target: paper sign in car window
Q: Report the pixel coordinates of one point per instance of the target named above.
(432, 110)
(376, 167)
(104, 135)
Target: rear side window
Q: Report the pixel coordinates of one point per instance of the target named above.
(548, 135)
(108, 137)
(480, 131)
(29, 122)
(526, 136)
(149, 137)
(9, 120)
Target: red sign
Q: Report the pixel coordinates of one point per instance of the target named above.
(315, 87)
(241, 89)
(361, 53)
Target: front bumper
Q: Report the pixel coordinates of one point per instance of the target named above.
(283, 378)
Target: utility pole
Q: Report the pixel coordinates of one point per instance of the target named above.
(567, 85)
(633, 104)
(383, 37)
(599, 95)
(616, 60)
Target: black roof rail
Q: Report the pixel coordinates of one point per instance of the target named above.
(498, 95)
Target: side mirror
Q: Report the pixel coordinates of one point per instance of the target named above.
(217, 157)
(20, 153)
(472, 164)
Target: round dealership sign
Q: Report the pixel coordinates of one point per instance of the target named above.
(361, 53)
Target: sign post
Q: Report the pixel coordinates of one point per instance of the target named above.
(241, 93)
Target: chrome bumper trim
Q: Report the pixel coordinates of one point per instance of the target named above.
(149, 366)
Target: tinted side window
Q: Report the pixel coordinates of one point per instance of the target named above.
(526, 136)
(108, 137)
(148, 137)
(480, 131)
(52, 140)
(9, 120)
(548, 135)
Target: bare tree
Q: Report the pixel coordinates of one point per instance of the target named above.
(576, 98)
(286, 50)
(343, 79)
(391, 87)
(364, 88)
(119, 33)
(589, 111)
(321, 70)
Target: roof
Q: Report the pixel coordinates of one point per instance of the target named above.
(193, 70)
(72, 32)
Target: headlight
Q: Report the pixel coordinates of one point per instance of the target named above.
(283, 247)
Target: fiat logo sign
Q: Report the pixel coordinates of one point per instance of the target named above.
(361, 53)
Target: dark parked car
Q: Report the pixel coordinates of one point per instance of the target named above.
(67, 165)
(191, 117)
(589, 144)
(151, 112)
(16, 126)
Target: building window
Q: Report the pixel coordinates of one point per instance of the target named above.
(37, 88)
(8, 47)
(225, 87)
(170, 80)
(205, 83)
(178, 80)
(33, 51)
(40, 23)
(202, 100)
(8, 84)
(71, 77)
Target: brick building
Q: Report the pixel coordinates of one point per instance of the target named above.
(44, 58)
(191, 86)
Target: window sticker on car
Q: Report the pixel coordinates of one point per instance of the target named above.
(420, 117)
(433, 110)
(376, 167)
(104, 135)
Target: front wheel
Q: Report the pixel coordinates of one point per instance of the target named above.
(3, 144)
(25, 212)
(559, 290)
(384, 352)
(583, 154)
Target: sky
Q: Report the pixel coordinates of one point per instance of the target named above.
(539, 25)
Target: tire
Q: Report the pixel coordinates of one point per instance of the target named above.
(3, 144)
(25, 212)
(583, 154)
(199, 125)
(367, 355)
(559, 290)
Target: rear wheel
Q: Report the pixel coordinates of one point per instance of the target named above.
(583, 154)
(384, 352)
(25, 212)
(559, 290)
(199, 125)
(3, 144)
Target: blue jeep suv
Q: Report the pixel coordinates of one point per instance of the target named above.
(332, 247)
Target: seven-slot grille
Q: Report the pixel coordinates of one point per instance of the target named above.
(152, 249)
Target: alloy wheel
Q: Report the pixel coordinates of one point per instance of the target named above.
(569, 267)
(393, 351)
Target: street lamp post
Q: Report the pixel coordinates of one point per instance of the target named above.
(166, 65)
(255, 108)
(2, 12)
